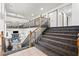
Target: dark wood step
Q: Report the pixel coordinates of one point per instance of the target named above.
(58, 37)
(66, 44)
(73, 36)
(65, 27)
(58, 50)
(53, 50)
(61, 39)
(46, 51)
(59, 32)
(62, 31)
(60, 44)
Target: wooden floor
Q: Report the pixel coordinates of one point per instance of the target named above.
(29, 52)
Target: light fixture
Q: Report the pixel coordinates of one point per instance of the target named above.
(41, 9)
(32, 14)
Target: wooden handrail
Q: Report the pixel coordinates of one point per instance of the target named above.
(1, 42)
(30, 34)
(78, 44)
(33, 31)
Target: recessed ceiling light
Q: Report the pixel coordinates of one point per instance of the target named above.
(32, 14)
(41, 9)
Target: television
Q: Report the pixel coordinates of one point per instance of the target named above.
(15, 31)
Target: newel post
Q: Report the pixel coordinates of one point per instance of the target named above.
(78, 44)
(30, 39)
(1, 42)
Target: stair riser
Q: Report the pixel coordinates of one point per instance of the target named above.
(62, 40)
(52, 49)
(62, 31)
(74, 49)
(46, 51)
(64, 36)
(61, 52)
(73, 28)
(74, 33)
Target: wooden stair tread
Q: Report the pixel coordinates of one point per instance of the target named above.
(57, 48)
(48, 39)
(58, 37)
(63, 31)
(60, 34)
(46, 51)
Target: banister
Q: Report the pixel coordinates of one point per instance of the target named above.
(78, 44)
(29, 36)
(1, 42)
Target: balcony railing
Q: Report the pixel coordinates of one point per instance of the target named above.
(32, 23)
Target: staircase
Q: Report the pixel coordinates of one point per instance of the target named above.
(60, 41)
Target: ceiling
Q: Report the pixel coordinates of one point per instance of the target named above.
(29, 10)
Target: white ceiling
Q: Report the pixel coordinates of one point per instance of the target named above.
(27, 9)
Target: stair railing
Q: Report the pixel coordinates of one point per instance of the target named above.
(42, 24)
(36, 34)
(78, 44)
(33, 23)
(2, 44)
(33, 36)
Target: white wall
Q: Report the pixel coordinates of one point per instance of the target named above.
(59, 18)
(62, 15)
(70, 21)
(2, 15)
(74, 20)
(62, 18)
(75, 14)
(14, 19)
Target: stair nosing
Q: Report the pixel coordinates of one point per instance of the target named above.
(61, 31)
(58, 37)
(60, 34)
(45, 49)
(64, 50)
(59, 42)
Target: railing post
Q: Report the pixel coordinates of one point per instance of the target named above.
(78, 44)
(30, 39)
(1, 42)
(40, 25)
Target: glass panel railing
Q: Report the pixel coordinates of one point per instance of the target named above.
(41, 24)
(32, 23)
